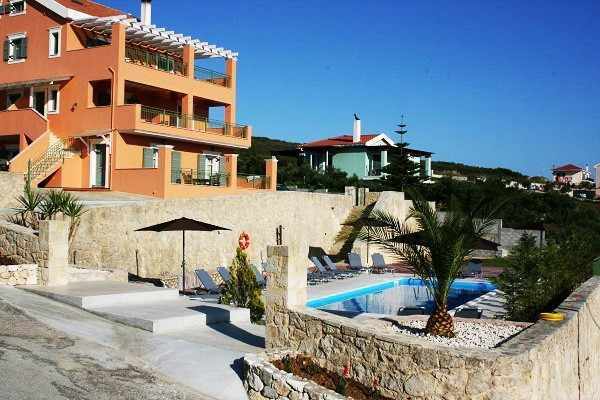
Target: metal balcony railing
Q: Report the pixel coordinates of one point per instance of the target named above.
(194, 122)
(189, 176)
(155, 60)
(214, 77)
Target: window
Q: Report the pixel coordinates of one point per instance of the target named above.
(54, 42)
(150, 157)
(12, 98)
(15, 48)
(13, 7)
(53, 105)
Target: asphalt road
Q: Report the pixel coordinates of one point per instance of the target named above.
(38, 362)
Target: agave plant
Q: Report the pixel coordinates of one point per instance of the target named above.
(28, 210)
(435, 247)
(74, 209)
(53, 203)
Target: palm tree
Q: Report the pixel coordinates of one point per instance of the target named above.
(435, 246)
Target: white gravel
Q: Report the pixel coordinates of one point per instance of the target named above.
(468, 334)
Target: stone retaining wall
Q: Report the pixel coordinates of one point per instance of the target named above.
(12, 275)
(11, 186)
(548, 361)
(106, 236)
(20, 245)
(263, 380)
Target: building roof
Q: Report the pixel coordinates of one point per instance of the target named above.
(90, 15)
(347, 141)
(90, 7)
(342, 140)
(138, 32)
(568, 168)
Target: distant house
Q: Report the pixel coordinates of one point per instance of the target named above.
(363, 155)
(569, 174)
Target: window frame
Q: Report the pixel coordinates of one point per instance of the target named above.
(11, 49)
(10, 2)
(50, 89)
(51, 31)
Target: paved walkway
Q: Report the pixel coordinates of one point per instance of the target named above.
(205, 360)
(38, 362)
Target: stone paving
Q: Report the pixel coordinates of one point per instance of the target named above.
(38, 362)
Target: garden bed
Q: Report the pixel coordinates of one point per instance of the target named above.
(294, 375)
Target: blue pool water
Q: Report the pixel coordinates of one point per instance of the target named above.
(389, 297)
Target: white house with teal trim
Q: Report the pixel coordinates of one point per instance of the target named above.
(363, 155)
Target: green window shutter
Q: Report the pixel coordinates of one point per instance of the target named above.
(175, 167)
(1, 9)
(23, 48)
(6, 49)
(148, 157)
(201, 164)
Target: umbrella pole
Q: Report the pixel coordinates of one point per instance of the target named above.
(183, 263)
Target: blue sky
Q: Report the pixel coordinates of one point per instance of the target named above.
(491, 83)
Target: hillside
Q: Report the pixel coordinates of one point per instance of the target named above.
(449, 168)
(252, 161)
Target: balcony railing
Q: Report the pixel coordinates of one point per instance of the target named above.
(214, 77)
(193, 122)
(155, 60)
(252, 181)
(188, 176)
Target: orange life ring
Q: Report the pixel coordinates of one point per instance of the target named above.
(244, 241)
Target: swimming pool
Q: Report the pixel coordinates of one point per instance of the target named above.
(390, 297)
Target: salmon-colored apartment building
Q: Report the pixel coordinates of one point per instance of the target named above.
(93, 98)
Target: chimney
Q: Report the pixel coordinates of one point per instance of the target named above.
(146, 12)
(356, 133)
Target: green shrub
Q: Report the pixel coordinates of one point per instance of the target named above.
(537, 279)
(243, 290)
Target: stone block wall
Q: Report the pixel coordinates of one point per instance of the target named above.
(548, 361)
(20, 245)
(263, 381)
(11, 186)
(106, 236)
(12, 275)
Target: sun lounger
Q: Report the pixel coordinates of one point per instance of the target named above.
(379, 263)
(474, 269)
(207, 281)
(356, 263)
(260, 279)
(468, 312)
(225, 275)
(412, 311)
(332, 267)
(324, 272)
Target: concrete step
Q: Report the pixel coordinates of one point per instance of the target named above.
(105, 294)
(172, 315)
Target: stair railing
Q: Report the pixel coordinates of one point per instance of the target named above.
(56, 152)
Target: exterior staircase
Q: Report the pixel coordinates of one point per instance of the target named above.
(49, 161)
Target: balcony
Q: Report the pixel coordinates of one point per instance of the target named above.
(188, 176)
(173, 119)
(210, 76)
(155, 60)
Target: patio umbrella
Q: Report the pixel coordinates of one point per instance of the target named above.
(183, 225)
